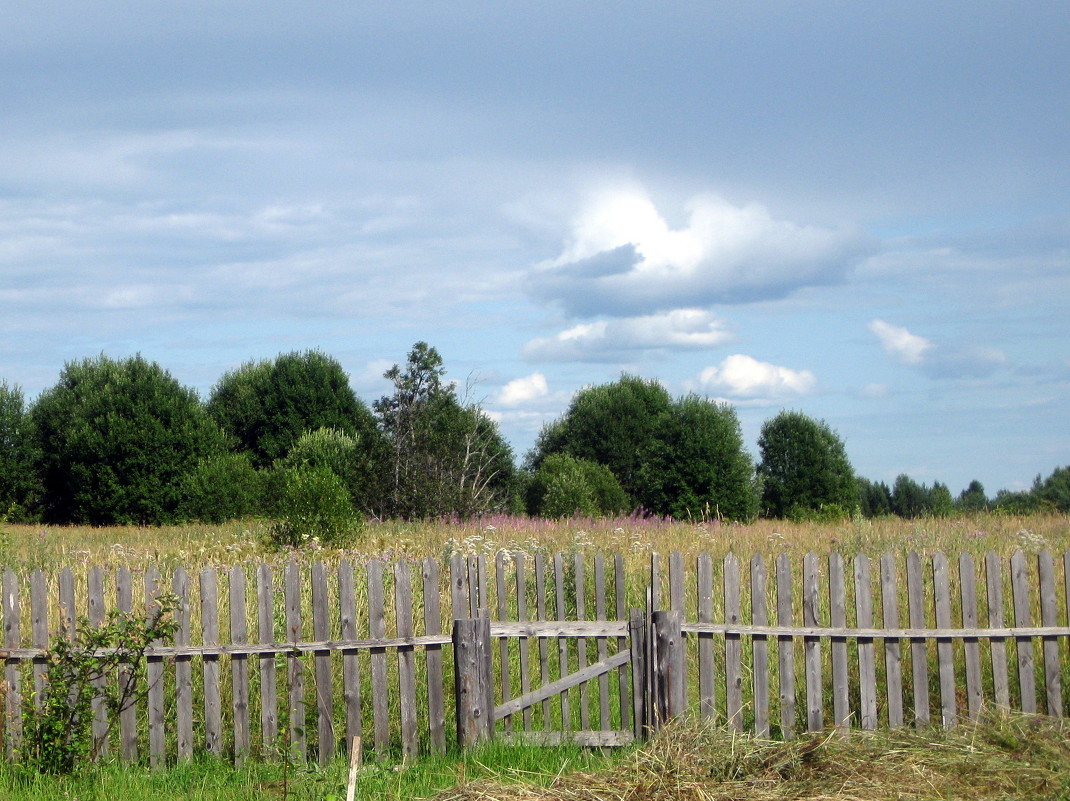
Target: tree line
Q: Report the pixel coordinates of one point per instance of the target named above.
(123, 442)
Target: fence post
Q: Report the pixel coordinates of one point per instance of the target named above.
(669, 666)
(473, 688)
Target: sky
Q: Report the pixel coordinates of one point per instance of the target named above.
(857, 211)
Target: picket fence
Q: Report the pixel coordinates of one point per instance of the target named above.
(775, 647)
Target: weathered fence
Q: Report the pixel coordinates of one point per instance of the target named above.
(302, 658)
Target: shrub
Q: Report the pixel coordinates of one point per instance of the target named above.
(312, 506)
(564, 486)
(221, 488)
(58, 727)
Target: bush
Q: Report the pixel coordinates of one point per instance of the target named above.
(564, 486)
(312, 507)
(221, 488)
(359, 468)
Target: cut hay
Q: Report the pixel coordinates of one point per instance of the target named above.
(1003, 758)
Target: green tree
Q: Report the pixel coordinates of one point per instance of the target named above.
(564, 486)
(116, 440)
(19, 484)
(222, 487)
(1054, 491)
(267, 406)
(359, 467)
(909, 498)
(874, 498)
(941, 504)
(446, 457)
(619, 425)
(973, 498)
(804, 468)
(699, 466)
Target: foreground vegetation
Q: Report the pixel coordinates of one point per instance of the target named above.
(1012, 758)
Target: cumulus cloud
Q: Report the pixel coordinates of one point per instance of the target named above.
(937, 360)
(523, 390)
(623, 257)
(609, 340)
(741, 377)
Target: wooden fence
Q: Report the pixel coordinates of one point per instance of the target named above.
(303, 657)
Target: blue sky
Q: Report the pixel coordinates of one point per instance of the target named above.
(859, 211)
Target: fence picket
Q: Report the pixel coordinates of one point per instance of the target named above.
(785, 647)
(581, 643)
(295, 665)
(321, 630)
(377, 657)
(213, 706)
(815, 720)
(124, 601)
(997, 645)
(601, 647)
(841, 703)
(623, 679)
(520, 574)
(759, 646)
(12, 677)
(1024, 645)
(347, 619)
(893, 663)
(919, 660)
(733, 656)
(154, 678)
(96, 614)
(269, 700)
(971, 646)
(867, 661)
(503, 644)
(562, 642)
(436, 709)
(183, 668)
(707, 687)
(406, 657)
(544, 657)
(945, 653)
(1049, 617)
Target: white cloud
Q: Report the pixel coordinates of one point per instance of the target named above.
(623, 257)
(900, 343)
(937, 360)
(523, 390)
(680, 329)
(745, 378)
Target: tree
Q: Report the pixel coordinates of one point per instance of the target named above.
(267, 406)
(1054, 491)
(359, 467)
(973, 498)
(445, 456)
(116, 440)
(618, 425)
(222, 487)
(874, 498)
(564, 486)
(19, 485)
(804, 468)
(700, 467)
(909, 498)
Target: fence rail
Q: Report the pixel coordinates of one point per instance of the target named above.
(305, 657)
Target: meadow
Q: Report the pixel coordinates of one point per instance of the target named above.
(499, 772)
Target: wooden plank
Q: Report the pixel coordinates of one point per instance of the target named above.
(785, 647)
(1053, 688)
(124, 595)
(676, 601)
(295, 665)
(815, 720)
(944, 651)
(544, 646)
(919, 660)
(502, 594)
(867, 658)
(347, 614)
(154, 679)
(759, 611)
(623, 682)
(269, 700)
(377, 629)
(473, 694)
(574, 679)
(239, 665)
(841, 702)
(562, 644)
(321, 630)
(733, 645)
(12, 677)
(68, 614)
(997, 645)
(583, 739)
(524, 646)
(183, 668)
(581, 643)
(459, 606)
(654, 590)
(406, 658)
(601, 647)
(1020, 595)
(893, 660)
(638, 630)
(39, 631)
(436, 707)
(669, 665)
(707, 683)
(96, 613)
(213, 705)
(972, 647)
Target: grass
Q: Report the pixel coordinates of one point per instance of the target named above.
(213, 780)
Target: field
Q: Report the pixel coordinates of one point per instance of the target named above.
(1000, 749)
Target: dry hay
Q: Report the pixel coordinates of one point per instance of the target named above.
(1003, 758)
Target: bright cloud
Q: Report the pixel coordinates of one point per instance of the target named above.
(681, 329)
(523, 390)
(937, 360)
(623, 257)
(743, 377)
(900, 343)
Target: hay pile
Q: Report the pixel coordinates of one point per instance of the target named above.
(1003, 758)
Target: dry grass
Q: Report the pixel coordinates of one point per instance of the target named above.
(1002, 758)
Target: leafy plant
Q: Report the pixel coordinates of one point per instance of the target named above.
(313, 507)
(58, 722)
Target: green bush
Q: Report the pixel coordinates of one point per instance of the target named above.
(359, 467)
(221, 488)
(312, 507)
(564, 486)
